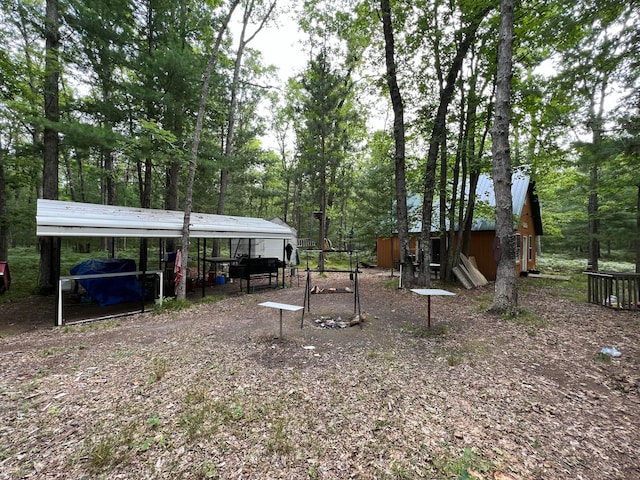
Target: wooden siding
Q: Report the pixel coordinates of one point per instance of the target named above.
(480, 247)
(388, 250)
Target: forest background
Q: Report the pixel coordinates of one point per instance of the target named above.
(127, 76)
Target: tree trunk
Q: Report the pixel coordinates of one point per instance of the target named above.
(49, 246)
(172, 178)
(233, 104)
(594, 242)
(474, 176)
(4, 220)
(506, 288)
(323, 204)
(437, 132)
(638, 232)
(181, 290)
(596, 122)
(399, 138)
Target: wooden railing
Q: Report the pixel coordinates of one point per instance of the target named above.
(305, 243)
(614, 289)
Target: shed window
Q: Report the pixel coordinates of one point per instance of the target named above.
(530, 247)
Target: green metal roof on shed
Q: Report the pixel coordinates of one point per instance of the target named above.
(485, 194)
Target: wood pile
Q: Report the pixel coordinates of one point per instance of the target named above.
(468, 274)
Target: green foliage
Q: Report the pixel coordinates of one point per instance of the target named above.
(208, 470)
(159, 369)
(171, 304)
(576, 264)
(602, 357)
(462, 466)
(107, 450)
(278, 440)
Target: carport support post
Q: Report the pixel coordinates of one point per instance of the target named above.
(58, 322)
(204, 263)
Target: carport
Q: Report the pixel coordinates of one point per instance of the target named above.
(57, 218)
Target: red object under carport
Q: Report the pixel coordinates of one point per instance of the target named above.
(5, 277)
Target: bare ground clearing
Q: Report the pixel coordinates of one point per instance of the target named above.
(209, 393)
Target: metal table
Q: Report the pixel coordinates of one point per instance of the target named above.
(281, 307)
(429, 292)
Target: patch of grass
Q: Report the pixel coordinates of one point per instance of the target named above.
(202, 416)
(386, 355)
(212, 299)
(313, 473)
(574, 289)
(399, 472)
(278, 440)
(454, 358)
(208, 470)
(193, 421)
(104, 451)
(484, 303)
(525, 317)
(391, 284)
(457, 355)
(154, 421)
(602, 357)
(227, 412)
(47, 352)
(466, 466)
(159, 369)
(421, 331)
(171, 304)
(91, 326)
(567, 264)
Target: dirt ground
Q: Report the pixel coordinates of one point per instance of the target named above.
(210, 392)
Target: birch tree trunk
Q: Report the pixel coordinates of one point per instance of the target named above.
(506, 289)
(181, 291)
(233, 105)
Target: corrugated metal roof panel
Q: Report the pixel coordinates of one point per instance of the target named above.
(57, 218)
(484, 194)
(519, 186)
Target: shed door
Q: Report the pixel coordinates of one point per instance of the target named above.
(524, 252)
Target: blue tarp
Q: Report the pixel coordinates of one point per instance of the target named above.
(109, 291)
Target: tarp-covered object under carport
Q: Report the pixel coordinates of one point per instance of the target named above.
(109, 291)
(56, 218)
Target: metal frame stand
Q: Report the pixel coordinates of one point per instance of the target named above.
(353, 276)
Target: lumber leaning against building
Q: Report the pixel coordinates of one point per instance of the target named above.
(527, 229)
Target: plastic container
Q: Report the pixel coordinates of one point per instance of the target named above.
(220, 280)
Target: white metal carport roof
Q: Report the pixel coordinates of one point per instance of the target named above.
(56, 218)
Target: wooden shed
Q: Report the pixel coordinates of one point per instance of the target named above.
(529, 226)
